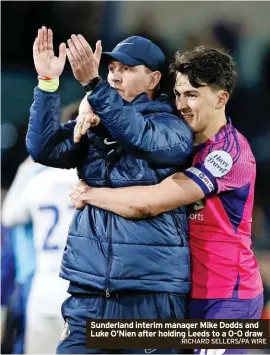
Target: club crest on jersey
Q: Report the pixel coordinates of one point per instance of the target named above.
(218, 162)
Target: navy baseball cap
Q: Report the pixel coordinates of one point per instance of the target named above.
(137, 50)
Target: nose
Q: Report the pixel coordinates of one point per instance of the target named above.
(180, 103)
(116, 77)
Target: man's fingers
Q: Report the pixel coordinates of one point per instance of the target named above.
(35, 47)
(62, 52)
(86, 46)
(74, 51)
(85, 123)
(40, 40)
(71, 59)
(45, 38)
(77, 131)
(77, 136)
(95, 120)
(74, 194)
(71, 195)
(50, 40)
(92, 122)
(98, 51)
(79, 205)
(77, 191)
(85, 127)
(72, 201)
(80, 48)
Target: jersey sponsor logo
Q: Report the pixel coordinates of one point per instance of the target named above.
(202, 177)
(218, 162)
(196, 217)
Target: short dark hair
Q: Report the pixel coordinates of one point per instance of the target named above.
(206, 66)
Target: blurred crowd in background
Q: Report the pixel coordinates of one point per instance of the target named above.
(243, 28)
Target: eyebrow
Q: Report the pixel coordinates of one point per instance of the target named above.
(186, 92)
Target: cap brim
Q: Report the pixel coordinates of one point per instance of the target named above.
(120, 57)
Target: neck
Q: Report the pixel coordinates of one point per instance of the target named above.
(212, 129)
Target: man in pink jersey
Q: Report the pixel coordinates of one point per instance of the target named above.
(218, 187)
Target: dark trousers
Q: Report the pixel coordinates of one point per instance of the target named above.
(76, 310)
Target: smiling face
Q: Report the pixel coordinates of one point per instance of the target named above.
(198, 106)
(131, 81)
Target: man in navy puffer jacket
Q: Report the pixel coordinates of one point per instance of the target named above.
(117, 268)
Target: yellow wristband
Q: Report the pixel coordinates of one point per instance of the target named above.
(48, 85)
(89, 92)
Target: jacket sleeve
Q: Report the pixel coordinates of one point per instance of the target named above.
(161, 138)
(47, 141)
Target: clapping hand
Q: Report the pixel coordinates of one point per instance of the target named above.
(84, 63)
(46, 63)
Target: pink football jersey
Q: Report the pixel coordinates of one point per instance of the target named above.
(223, 264)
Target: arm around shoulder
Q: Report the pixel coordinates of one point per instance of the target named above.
(138, 202)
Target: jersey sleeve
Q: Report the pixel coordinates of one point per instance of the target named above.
(219, 169)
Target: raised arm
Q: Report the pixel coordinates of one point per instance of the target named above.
(140, 201)
(47, 141)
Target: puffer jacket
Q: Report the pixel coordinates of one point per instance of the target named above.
(138, 143)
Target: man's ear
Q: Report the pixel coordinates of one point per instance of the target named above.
(223, 97)
(154, 79)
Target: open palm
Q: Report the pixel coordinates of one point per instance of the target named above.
(46, 63)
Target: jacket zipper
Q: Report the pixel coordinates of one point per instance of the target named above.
(109, 262)
(109, 233)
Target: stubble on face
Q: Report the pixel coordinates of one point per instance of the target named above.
(132, 81)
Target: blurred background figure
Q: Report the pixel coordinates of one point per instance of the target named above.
(18, 262)
(7, 287)
(37, 213)
(243, 30)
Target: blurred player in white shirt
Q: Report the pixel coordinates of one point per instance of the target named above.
(44, 200)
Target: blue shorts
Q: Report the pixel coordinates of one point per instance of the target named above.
(225, 309)
(76, 310)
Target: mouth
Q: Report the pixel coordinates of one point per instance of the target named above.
(187, 117)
